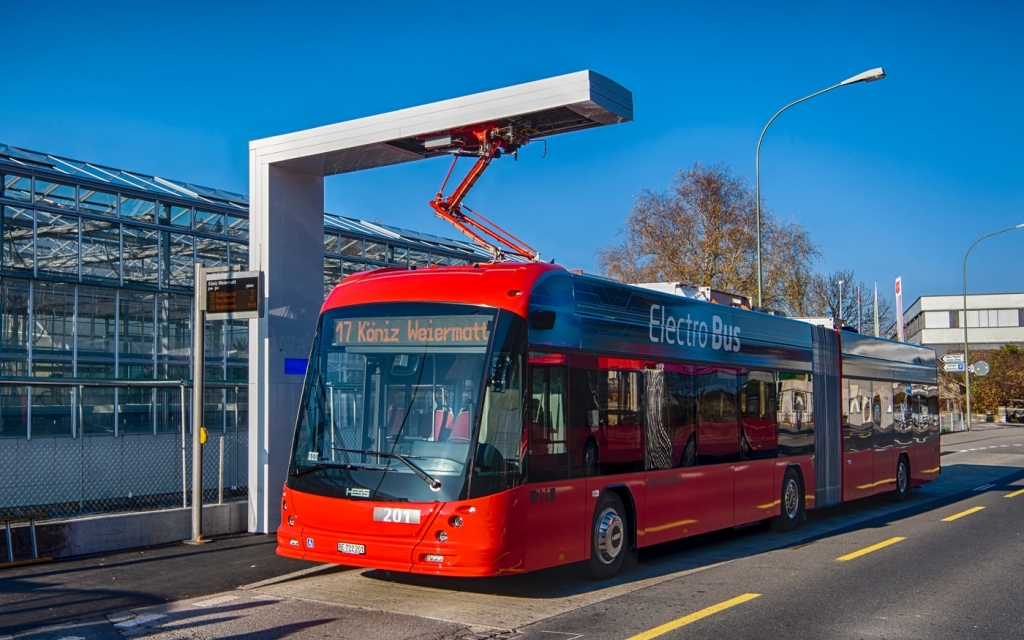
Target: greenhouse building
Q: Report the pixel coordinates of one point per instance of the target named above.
(96, 276)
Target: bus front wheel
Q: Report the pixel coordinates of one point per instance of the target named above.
(792, 503)
(609, 540)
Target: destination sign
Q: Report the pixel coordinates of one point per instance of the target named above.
(237, 296)
(953, 358)
(413, 331)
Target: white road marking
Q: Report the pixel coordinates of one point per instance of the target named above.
(215, 601)
(134, 622)
(984, 486)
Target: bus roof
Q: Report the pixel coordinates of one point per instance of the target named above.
(600, 315)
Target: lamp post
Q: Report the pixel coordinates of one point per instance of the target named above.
(868, 76)
(967, 357)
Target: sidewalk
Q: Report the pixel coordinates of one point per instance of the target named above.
(94, 586)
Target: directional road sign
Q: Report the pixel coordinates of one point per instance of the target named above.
(953, 358)
(954, 366)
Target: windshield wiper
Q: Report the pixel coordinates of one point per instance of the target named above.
(301, 471)
(433, 482)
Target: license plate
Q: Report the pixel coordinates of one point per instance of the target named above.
(354, 549)
(400, 516)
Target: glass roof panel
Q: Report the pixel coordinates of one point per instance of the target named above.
(202, 196)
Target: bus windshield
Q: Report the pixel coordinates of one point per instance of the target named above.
(392, 399)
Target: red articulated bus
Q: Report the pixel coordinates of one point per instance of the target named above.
(496, 419)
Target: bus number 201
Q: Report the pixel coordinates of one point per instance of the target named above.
(401, 516)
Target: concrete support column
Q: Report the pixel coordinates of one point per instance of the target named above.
(286, 238)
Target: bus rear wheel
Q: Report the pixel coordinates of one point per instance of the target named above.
(902, 480)
(792, 503)
(609, 540)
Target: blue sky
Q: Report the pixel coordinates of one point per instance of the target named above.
(891, 178)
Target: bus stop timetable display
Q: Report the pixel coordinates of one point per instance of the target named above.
(238, 296)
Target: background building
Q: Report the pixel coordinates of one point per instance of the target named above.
(992, 320)
(96, 277)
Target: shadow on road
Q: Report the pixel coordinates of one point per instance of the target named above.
(702, 551)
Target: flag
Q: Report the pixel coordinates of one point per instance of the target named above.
(899, 308)
(876, 308)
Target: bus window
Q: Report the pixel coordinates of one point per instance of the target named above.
(546, 420)
(718, 429)
(657, 436)
(796, 414)
(857, 424)
(499, 454)
(607, 422)
(680, 405)
(758, 438)
(621, 436)
(584, 421)
(883, 412)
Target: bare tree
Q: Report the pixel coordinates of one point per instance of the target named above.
(702, 231)
(823, 300)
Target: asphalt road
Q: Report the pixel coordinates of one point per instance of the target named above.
(77, 588)
(946, 563)
(933, 579)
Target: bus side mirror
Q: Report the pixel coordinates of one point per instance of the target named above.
(542, 320)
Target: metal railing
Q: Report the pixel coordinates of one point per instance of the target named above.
(952, 422)
(99, 448)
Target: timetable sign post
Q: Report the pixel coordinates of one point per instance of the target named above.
(233, 295)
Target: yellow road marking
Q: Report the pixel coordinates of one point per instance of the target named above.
(865, 551)
(1014, 494)
(962, 514)
(693, 617)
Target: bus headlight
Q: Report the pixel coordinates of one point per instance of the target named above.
(455, 521)
(442, 536)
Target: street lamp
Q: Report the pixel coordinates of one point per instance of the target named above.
(967, 357)
(868, 76)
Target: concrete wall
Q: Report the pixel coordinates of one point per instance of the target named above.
(82, 536)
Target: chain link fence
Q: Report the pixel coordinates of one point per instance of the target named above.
(75, 469)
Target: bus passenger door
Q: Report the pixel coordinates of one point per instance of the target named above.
(894, 405)
(756, 489)
(718, 447)
(858, 449)
(555, 504)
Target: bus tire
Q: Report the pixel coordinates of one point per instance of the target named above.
(609, 538)
(792, 503)
(902, 480)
